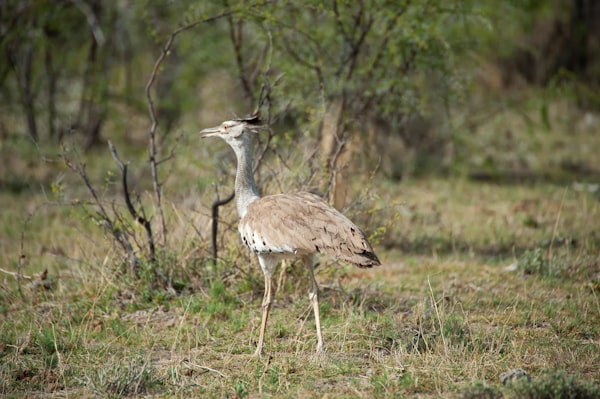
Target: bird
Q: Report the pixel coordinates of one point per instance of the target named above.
(285, 226)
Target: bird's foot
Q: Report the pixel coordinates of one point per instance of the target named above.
(320, 350)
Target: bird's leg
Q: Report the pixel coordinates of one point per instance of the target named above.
(266, 306)
(282, 273)
(313, 295)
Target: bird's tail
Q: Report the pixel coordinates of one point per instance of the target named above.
(364, 259)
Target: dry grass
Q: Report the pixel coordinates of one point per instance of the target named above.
(477, 279)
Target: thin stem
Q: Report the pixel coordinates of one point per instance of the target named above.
(153, 128)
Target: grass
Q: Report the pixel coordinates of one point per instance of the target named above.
(478, 279)
(426, 324)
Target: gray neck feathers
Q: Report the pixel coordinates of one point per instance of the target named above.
(245, 186)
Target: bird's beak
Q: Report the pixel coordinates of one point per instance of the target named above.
(211, 131)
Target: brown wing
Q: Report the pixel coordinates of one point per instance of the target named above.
(302, 224)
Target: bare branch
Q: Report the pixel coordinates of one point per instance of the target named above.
(350, 60)
(105, 219)
(215, 221)
(338, 20)
(235, 34)
(140, 219)
(356, 47)
(386, 37)
(205, 369)
(333, 169)
(16, 275)
(22, 259)
(265, 97)
(152, 151)
(91, 19)
(152, 133)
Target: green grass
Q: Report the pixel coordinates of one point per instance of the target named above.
(428, 323)
(477, 279)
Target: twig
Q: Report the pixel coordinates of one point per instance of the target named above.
(265, 90)
(91, 19)
(105, 219)
(236, 38)
(354, 45)
(235, 34)
(265, 97)
(264, 372)
(141, 219)
(338, 20)
(215, 221)
(437, 314)
(17, 275)
(331, 187)
(22, 258)
(555, 228)
(384, 42)
(197, 366)
(56, 349)
(153, 128)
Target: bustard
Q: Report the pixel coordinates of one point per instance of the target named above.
(282, 226)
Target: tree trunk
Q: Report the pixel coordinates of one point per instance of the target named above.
(51, 76)
(23, 70)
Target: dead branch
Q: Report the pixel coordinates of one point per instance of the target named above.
(22, 258)
(21, 60)
(235, 34)
(152, 152)
(204, 369)
(215, 221)
(264, 97)
(17, 275)
(92, 20)
(333, 169)
(152, 148)
(105, 220)
(141, 219)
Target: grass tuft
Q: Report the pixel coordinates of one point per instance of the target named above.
(481, 390)
(555, 385)
(135, 376)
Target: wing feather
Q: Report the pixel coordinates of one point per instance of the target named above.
(301, 224)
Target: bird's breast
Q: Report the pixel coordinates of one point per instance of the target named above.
(262, 243)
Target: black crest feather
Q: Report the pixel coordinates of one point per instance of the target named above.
(251, 119)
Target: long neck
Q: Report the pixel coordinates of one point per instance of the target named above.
(245, 186)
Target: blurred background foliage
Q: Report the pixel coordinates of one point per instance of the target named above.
(405, 84)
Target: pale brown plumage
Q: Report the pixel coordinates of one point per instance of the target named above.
(303, 224)
(282, 226)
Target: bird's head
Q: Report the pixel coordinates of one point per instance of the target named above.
(233, 131)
